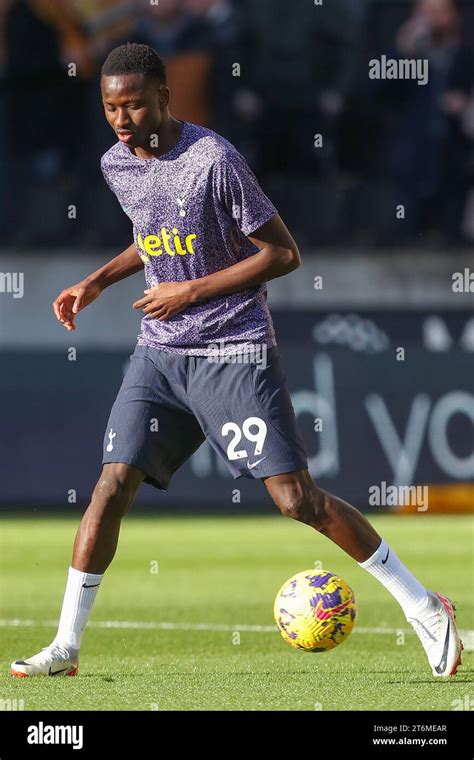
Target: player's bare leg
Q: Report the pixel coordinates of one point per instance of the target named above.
(297, 496)
(431, 614)
(94, 548)
(97, 536)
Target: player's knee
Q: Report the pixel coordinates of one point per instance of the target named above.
(309, 506)
(293, 501)
(112, 495)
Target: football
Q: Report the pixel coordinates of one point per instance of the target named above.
(315, 610)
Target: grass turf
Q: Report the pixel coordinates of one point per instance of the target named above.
(226, 571)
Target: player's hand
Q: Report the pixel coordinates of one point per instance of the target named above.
(72, 300)
(165, 300)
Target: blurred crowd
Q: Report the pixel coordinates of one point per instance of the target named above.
(348, 160)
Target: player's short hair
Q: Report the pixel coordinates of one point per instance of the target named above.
(133, 58)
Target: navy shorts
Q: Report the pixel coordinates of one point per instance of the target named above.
(170, 403)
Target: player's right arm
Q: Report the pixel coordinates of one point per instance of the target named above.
(72, 300)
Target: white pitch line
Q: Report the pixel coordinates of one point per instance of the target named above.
(466, 635)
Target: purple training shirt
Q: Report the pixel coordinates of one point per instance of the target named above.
(191, 210)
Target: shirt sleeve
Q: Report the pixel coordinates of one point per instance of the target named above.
(237, 190)
(105, 173)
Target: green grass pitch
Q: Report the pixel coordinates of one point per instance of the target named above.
(213, 581)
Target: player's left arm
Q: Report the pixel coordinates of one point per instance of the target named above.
(278, 255)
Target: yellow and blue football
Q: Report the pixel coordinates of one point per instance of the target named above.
(315, 610)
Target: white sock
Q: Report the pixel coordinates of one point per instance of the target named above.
(81, 590)
(387, 568)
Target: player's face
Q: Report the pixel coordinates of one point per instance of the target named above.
(134, 107)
